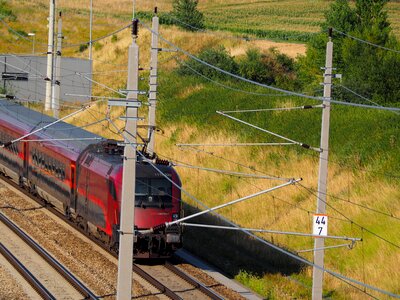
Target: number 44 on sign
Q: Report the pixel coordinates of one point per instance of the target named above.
(320, 225)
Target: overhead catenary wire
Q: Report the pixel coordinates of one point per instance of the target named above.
(66, 139)
(361, 205)
(273, 109)
(350, 246)
(22, 70)
(14, 31)
(227, 86)
(100, 84)
(361, 96)
(294, 206)
(265, 85)
(345, 238)
(290, 254)
(235, 145)
(212, 209)
(98, 39)
(364, 41)
(275, 247)
(43, 128)
(231, 173)
(306, 146)
(352, 222)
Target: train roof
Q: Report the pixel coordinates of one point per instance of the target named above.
(32, 120)
(112, 153)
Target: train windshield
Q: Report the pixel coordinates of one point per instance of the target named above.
(153, 192)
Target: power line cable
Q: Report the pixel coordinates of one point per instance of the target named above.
(15, 31)
(362, 97)
(274, 109)
(98, 39)
(264, 85)
(230, 173)
(296, 257)
(359, 205)
(364, 41)
(224, 85)
(342, 214)
(306, 146)
(301, 259)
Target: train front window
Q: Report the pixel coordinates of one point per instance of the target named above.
(153, 192)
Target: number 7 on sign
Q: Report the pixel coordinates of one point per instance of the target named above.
(320, 225)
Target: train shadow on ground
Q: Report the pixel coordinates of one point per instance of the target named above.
(235, 251)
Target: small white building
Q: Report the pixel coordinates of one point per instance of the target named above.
(25, 77)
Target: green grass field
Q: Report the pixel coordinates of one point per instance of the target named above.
(285, 20)
(365, 153)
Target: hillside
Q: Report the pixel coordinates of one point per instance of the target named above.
(364, 170)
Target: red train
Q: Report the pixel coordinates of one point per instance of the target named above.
(80, 174)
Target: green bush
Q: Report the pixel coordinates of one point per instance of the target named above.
(83, 47)
(218, 57)
(18, 32)
(271, 67)
(114, 38)
(6, 12)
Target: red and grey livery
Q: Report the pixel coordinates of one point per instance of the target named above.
(80, 174)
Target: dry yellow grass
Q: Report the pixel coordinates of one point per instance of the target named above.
(272, 211)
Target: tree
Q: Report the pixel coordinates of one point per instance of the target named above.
(365, 68)
(187, 14)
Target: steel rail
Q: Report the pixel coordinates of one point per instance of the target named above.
(151, 280)
(28, 276)
(79, 286)
(189, 279)
(158, 285)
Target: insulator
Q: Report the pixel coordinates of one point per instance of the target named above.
(135, 27)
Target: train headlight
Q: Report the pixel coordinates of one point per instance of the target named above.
(175, 216)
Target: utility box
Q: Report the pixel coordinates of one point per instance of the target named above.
(24, 77)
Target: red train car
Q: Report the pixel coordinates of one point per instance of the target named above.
(82, 177)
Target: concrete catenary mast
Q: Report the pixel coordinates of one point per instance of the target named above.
(50, 56)
(57, 79)
(323, 171)
(127, 232)
(153, 84)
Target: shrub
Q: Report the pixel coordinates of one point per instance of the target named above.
(272, 68)
(114, 38)
(18, 32)
(83, 47)
(6, 12)
(218, 57)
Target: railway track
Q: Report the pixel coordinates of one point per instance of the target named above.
(49, 278)
(191, 280)
(172, 291)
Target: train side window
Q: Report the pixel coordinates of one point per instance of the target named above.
(111, 189)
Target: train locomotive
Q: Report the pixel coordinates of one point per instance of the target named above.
(80, 174)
